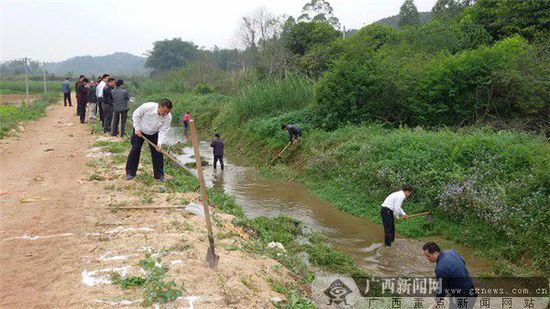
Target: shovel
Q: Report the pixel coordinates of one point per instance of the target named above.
(211, 256)
(428, 215)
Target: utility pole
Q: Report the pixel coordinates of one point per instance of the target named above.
(26, 82)
(344, 32)
(44, 71)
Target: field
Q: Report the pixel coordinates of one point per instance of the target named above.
(10, 87)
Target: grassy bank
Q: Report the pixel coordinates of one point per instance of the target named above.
(488, 189)
(11, 116)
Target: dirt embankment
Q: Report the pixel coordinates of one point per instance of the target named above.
(63, 232)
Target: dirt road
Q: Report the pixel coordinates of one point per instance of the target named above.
(41, 169)
(61, 237)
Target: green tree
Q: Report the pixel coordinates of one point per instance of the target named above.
(168, 54)
(408, 14)
(447, 8)
(305, 35)
(503, 18)
(319, 11)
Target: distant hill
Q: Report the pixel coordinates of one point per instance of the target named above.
(117, 63)
(393, 20)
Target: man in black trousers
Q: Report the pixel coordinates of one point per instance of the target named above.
(152, 121)
(108, 108)
(391, 208)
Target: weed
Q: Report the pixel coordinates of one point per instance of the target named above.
(247, 281)
(146, 199)
(96, 177)
(127, 282)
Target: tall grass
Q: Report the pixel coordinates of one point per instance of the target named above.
(11, 115)
(273, 97)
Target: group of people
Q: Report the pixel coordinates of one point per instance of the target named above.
(450, 267)
(151, 121)
(106, 97)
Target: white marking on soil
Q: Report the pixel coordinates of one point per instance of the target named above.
(123, 302)
(121, 229)
(100, 276)
(190, 299)
(176, 262)
(105, 257)
(27, 237)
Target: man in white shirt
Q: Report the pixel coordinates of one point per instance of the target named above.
(99, 95)
(391, 208)
(151, 120)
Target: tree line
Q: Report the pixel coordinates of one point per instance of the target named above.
(473, 61)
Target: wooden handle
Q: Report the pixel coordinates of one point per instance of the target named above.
(420, 214)
(168, 155)
(204, 196)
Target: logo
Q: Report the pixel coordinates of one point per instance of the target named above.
(337, 292)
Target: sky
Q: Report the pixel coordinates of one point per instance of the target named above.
(54, 30)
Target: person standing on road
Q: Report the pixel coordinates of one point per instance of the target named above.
(151, 120)
(76, 85)
(82, 99)
(217, 146)
(120, 105)
(108, 105)
(92, 98)
(453, 277)
(391, 208)
(99, 94)
(66, 88)
(294, 132)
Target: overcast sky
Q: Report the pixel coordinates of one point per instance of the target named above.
(54, 30)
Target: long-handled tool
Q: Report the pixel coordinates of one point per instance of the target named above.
(428, 214)
(211, 256)
(280, 153)
(168, 155)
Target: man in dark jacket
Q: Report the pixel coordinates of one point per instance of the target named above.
(76, 90)
(108, 105)
(451, 271)
(120, 105)
(293, 132)
(82, 99)
(217, 146)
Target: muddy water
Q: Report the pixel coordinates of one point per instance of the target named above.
(359, 237)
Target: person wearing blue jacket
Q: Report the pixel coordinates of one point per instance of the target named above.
(451, 271)
(66, 88)
(294, 132)
(217, 147)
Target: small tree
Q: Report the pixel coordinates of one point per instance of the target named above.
(408, 14)
(319, 10)
(168, 54)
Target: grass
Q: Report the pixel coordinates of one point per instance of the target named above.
(11, 116)
(18, 87)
